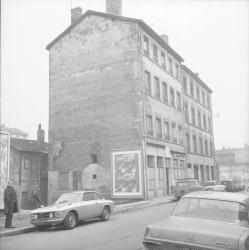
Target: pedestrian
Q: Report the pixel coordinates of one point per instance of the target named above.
(10, 204)
(36, 196)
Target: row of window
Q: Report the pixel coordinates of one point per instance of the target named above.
(165, 62)
(199, 145)
(164, 129)
(178, 167)
(161, 91)
(203, 173)
(200, 121)
(195, 92)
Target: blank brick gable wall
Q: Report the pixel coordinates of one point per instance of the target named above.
(95, 92)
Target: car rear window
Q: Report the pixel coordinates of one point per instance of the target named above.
(217, 210)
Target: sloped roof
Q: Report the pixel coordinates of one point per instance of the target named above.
(28, 145)
(16, 131)
(146, 27)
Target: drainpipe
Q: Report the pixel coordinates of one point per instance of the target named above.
(143, 104)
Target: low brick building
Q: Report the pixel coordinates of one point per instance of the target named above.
(28, 166)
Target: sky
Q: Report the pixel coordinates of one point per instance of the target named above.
(212, 36)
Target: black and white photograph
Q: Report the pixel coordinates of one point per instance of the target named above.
(124, 125)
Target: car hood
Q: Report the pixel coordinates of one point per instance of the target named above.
(52, 208)
(200, 232)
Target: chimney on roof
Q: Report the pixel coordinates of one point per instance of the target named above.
(165, 38)
(114, 7)
(75, 14)
(40, 134)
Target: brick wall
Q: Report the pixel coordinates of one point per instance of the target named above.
(95, 98)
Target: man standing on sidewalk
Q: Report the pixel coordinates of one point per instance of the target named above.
(10, 204)
(36, 196)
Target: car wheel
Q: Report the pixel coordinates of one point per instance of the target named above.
(71, 220)
(105, 214)
(41, 228)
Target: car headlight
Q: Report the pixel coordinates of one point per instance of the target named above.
(35, 216)
(51, 215)
(147, 232)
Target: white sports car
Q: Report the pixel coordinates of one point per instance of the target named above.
(71, 208)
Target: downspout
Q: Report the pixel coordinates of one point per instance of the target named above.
(144, 115)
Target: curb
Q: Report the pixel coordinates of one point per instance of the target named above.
(17, 232)
(115, 211)
(122, 210)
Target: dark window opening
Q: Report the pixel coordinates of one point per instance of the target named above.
(93, 158)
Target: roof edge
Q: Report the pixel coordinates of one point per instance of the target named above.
(184, 67)
(144, 25)
(87, 13)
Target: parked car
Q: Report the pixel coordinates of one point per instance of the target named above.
(184, 186)
(203, 220)
(71, 208)
(210, 183)
(230, 187)
(217, 188)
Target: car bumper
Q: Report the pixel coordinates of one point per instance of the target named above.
(47, 222)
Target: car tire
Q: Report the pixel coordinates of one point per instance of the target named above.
(105, 214)
(71, 220)
(41, 228)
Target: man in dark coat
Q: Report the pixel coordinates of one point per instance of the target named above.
(10, 204)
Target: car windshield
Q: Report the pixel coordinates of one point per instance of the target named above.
(68, 197)
(187, 184)
(217, 210)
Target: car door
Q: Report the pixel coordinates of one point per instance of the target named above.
(100, 203)
(88, 206)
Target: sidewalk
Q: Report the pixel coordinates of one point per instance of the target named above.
(21, 221)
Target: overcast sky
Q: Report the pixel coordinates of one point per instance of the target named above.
(212, 36)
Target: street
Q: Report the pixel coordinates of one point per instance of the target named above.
(122, 231)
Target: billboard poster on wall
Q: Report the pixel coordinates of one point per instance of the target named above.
(127, 176)
(4, 164)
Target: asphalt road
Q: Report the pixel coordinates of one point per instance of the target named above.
(124, 231)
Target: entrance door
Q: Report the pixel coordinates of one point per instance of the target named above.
(196, 172)
(202, 174)
(77, 180)
(151, 176)
(167, 180)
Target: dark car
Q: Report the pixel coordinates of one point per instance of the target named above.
(229, 185)
(184, 186)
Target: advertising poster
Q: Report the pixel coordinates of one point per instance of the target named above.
(4, 164)
(127, 179)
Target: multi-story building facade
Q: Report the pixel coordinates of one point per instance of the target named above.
(198, 128)
(116, 108)
(233, 163)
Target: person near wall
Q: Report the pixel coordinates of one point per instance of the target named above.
(36, 196)
(10, 204)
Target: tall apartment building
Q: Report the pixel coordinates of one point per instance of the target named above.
(116, 108)
(198, 128)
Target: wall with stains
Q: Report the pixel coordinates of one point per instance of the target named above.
(95, 95)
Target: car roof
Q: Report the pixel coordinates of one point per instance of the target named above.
(225, 196)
